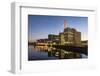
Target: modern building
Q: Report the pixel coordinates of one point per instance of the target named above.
(53, 37)
(69, 36)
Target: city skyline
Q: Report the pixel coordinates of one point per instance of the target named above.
(40, 26)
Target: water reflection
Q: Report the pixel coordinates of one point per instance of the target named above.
(39, 53)
(50, 53)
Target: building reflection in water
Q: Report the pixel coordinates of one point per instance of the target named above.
(50, 53)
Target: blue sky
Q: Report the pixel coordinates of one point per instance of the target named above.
(40, 26)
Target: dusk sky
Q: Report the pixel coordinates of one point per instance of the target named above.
(40, 26)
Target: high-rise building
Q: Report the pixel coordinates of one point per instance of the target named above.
(69, 36)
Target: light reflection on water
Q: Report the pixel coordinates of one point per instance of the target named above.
(39, 53)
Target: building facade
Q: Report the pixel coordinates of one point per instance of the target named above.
(53, 37)
(69, 36)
